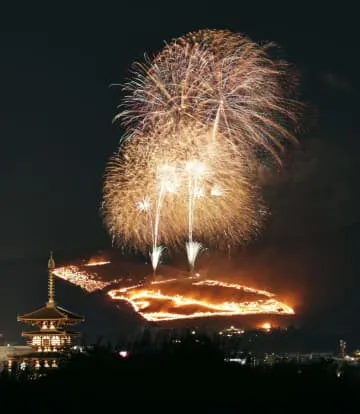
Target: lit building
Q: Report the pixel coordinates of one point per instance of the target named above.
(11, 351)
(231, 331)
(51, 341)
(342, 353)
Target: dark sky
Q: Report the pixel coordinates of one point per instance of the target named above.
(56, 110)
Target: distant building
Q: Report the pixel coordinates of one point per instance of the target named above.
(12, 351)
(231, 331)
(51, 341)
(342, 352)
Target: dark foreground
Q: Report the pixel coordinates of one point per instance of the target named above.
(191, 377)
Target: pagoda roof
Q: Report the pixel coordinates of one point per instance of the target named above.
(51, 312)
(38, 355)
(50, 332)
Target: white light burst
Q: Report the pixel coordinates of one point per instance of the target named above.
(193, 249)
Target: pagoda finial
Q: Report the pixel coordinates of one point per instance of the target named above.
(51, 283)
(51, 262)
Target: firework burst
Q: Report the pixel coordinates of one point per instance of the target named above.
(188, 189)
(197, 117)
(219, 79)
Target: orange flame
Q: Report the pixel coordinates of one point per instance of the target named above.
(82, 278)
(142, 300)
(97, 261)
(157, 304)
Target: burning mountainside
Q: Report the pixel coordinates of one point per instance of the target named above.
(175, 298)
(185, 299)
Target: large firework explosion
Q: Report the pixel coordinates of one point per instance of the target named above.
(220, 79)
(197, 116)
(191, 186)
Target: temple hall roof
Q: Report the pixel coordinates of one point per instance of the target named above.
(51, 312)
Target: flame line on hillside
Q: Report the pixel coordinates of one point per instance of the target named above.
(82, 278)
(95, 263)
(141, 297)
(233, 286)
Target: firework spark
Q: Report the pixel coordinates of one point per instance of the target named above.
(155, 257)
(207, 192)
(193, 249)
(219, 79)
(199, 116)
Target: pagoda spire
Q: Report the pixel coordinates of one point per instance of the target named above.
(51, 283)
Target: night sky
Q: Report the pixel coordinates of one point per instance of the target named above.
(56, 110)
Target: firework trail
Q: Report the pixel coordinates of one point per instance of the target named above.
(228, 203)
(193, 249)
(155, 254)
(165, 184)
(195, 171)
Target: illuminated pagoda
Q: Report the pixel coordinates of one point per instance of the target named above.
(52, 341)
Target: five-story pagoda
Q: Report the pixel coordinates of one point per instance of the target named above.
(52, 340)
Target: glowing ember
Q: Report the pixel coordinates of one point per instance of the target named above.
(97, 262)
(170, 299)
(77, 276)
(266, 326)
(155, 305)
(234, 286)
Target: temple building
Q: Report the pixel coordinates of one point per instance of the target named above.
(51, 342)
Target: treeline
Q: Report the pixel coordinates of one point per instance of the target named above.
(183, 372)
